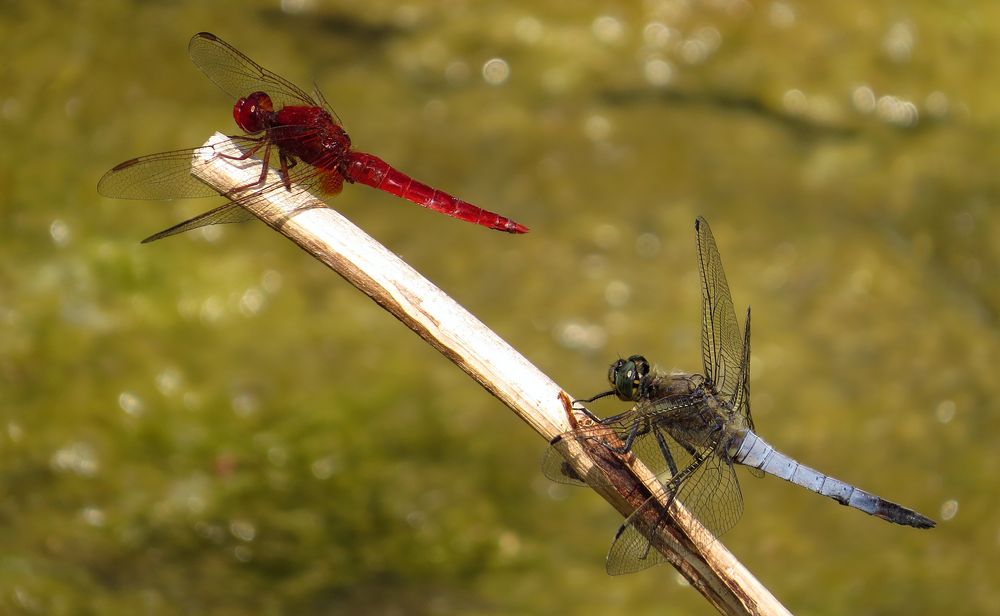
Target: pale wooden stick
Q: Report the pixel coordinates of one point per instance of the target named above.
(484, 356)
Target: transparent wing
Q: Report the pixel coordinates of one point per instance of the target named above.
(609, 433)
(301, 179)
(712, 494)
(709, 490)
(556, 467)
(237, 75)
(167, 175)
(630, 550)
(230, 212)
(720, 333)
(741, 397)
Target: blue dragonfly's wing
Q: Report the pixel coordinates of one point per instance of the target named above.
(708, 489)
(725, 352)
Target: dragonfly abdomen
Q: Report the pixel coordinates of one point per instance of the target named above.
(372, 171)
(755, 452)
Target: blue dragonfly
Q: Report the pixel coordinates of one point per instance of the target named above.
(692, 429)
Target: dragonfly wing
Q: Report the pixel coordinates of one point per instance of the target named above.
(631, 551)
(712, 494)
(228, 213)
(610, 433)
(741, 399)
(741, 396)
(302, 179)
(558, 469)
(238, 76)
(720, 333)
(709, 490)
(326, 105)
(166, 175)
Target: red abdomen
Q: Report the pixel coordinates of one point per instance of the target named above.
(375, 172)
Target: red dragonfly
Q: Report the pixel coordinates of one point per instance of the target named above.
(297, 134)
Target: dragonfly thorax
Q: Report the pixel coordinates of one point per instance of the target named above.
(335, 138)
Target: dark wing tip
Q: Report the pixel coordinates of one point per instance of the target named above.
(206, 38)
(124, 165)
(106, 185)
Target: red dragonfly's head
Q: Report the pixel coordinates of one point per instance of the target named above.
(254, 113)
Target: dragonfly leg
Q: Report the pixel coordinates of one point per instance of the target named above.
(261, 142)
(263, 169)
(633, 433)
(286, 164)
(263, 175)
(597, 397)
(636, 433)
(665, 450)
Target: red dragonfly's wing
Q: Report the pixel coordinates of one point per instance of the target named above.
(230, 212)
(238, 75)
(167, 175)
(233, 211)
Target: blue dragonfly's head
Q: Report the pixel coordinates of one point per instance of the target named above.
(626, 375)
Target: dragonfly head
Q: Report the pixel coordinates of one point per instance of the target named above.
(626, 377)
(253, 113)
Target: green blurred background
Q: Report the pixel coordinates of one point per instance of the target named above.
(217, 424)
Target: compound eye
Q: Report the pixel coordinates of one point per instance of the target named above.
(626, 380)
(253, 112)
